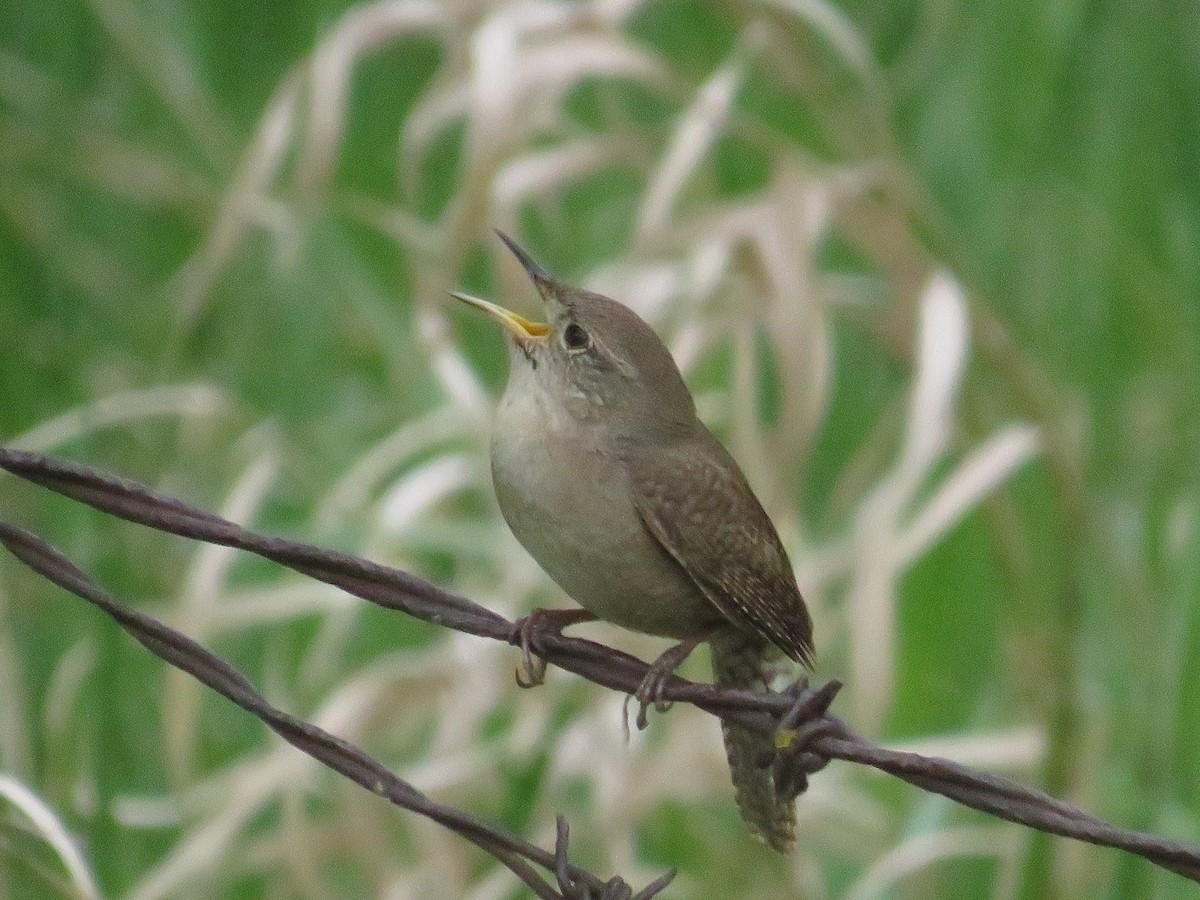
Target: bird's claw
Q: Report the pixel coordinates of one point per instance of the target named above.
(528, 631)
(532, 671)
(650, 692)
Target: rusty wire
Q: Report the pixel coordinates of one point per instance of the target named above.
(809, 737)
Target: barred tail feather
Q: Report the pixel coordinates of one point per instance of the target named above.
(737, 662)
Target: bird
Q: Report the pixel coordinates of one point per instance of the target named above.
(608, 478)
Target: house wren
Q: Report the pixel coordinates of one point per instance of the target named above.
(607, 477)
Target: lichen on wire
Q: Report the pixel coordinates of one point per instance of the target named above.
(808, 737)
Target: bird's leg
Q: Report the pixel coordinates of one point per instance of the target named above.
(528, 630)
(650, 691)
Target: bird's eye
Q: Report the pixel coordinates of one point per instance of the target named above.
(575, 338)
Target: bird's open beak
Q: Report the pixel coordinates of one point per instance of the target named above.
(541, 279)
(518, 326)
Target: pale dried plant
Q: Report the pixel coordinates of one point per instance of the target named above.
(710, 274)
(182, 402)
(43, 821)
(891, 531)
(924, 850)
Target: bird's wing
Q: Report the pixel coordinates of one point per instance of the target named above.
(696, 503)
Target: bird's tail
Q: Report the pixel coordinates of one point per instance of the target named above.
(737, 662)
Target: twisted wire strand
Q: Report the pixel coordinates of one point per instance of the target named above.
(807, 735)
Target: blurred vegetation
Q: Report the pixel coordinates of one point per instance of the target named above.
(1047, 154)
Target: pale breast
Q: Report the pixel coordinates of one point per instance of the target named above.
(568, 502)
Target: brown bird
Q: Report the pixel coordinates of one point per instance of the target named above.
(607, 477)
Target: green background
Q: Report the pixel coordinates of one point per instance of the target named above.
(1048, 154)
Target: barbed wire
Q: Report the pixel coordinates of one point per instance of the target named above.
(807, 736)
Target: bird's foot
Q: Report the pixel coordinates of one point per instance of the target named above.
(650, 691)
(527, 633)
